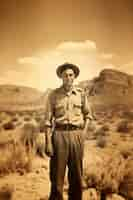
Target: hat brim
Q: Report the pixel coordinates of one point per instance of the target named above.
(65, 66)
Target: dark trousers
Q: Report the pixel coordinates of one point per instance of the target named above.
(68, 151)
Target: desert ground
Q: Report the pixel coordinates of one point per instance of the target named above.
(108, 156)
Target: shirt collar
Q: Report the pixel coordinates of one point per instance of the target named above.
(73, 91)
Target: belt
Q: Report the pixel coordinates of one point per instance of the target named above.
(67, 127)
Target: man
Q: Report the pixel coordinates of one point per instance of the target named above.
(69, 111)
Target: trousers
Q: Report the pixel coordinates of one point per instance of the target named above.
(68, 152)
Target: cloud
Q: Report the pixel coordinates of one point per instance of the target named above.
(77, 46)
(106, 56)
(39, 70)
(30, 60)
(85, 54)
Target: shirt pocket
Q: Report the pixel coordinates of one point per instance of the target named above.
(77, 108)
(59, 110)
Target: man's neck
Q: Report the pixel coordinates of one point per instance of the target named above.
(68, 88)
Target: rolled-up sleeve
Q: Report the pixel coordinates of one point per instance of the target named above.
(86, 108)
(49, 112)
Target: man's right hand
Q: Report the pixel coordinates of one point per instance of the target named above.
(49, 149)
(48, 145)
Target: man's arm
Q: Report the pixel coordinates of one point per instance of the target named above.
(48, 127)
(86, 124)
(48, 146)
(87, 112)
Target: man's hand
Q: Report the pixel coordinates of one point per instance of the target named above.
(48, 145)
(49, 149)
(84, 135)
(87, 123)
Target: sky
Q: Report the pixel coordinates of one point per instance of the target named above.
(38, 35)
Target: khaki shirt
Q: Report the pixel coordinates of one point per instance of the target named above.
(67, 108)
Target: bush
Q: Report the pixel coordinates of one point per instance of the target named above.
(126, 149)
(103, 169)
(15, 119)
(102, 131)
(42, 126)
(6, 192)
(38, 119)
(126, 187)
(128, 115)
(15, 159)
(29, 133)
(123, 126)
(40, 144)
(27, 118)
(8, 126)
(101, 142)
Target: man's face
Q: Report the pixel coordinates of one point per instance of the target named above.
(68, 77)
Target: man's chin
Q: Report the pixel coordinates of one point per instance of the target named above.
(68, 85)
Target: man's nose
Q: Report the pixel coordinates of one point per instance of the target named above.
(68, 78)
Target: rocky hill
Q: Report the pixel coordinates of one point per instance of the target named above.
(109, 88)
(20, 98)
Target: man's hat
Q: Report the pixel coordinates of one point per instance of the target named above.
(65, 66)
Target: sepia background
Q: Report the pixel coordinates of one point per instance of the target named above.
(35, 37)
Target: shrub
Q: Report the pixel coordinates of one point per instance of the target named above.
(40, 144)
(8, 126)
(123, 126)
(15, 119)
(125, 148)
(42, 126)
(27, 118)
(103, 169)
(28, 136)
(6, 192)
(126, 187)
(38, 119)
(101, 141)
(15, 159)
(128, 114)
(91, 194)
(101, 131)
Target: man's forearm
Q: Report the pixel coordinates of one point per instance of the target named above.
(87, 123)
(49, 147)
(48, 135)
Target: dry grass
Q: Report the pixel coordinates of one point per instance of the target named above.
(103, 169)
(40, 144)
(107, 159)
(101, 141)
(123, 144)
(9, 126)
(128, 114)
(32, 139)
(13, 154)
(91, 194)
(126, 187)
(101, 131)
(114, 196)
(126, 148)
(6, 192)
(14, 158)
(124, 126)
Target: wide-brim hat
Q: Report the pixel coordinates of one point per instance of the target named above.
(65, 66)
